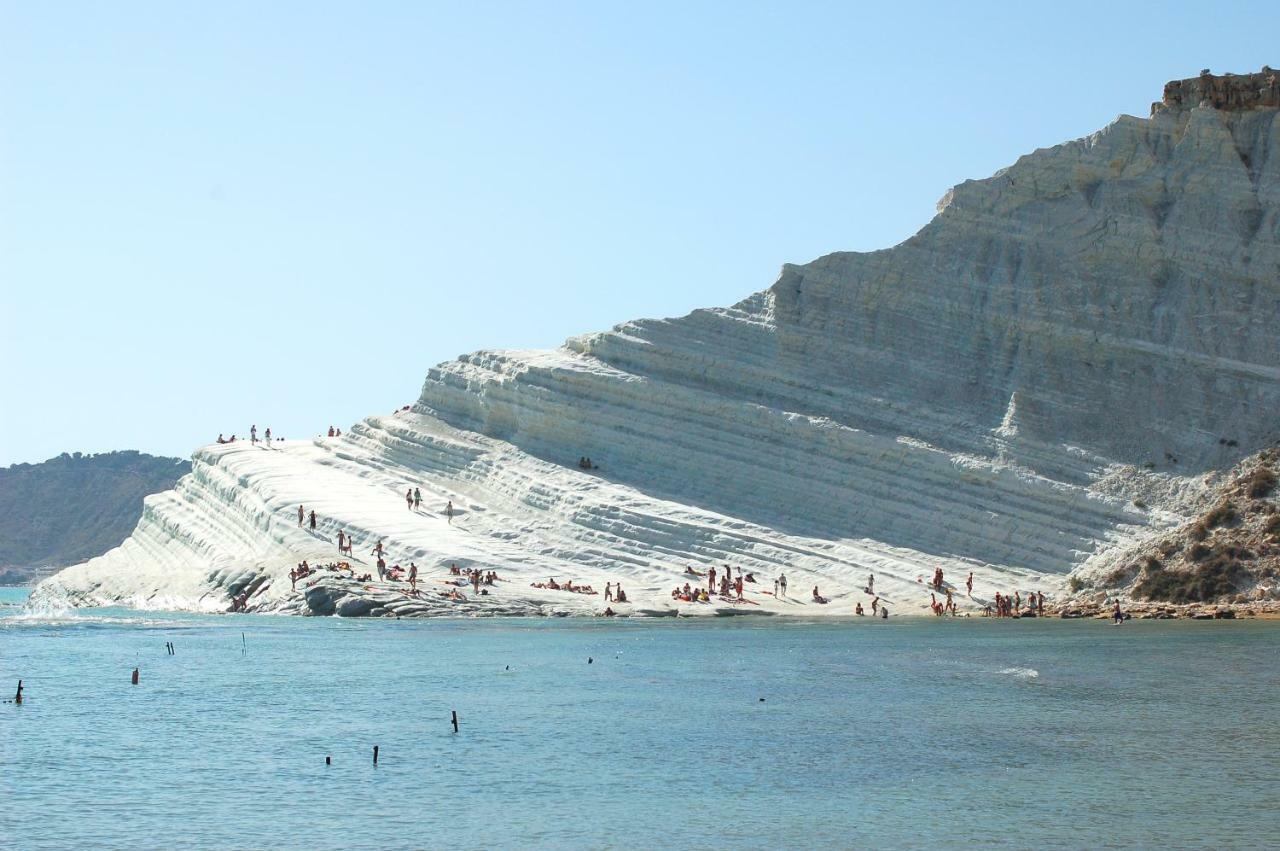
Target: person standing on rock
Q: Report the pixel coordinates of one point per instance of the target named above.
(1117, 616)
(302, 515)
(413, 576)
(968, 584)
(313, 520)
(408, 498)
(871, 583)
(608, 592)
(782, 583)
(268, 436)
(448, 511)
(253, 434)
(342, 541)
(382, 569)
(417, 499)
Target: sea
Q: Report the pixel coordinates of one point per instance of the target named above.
(750, 732)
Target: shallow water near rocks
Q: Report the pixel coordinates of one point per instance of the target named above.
(909, 732)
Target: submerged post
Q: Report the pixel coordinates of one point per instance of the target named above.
(328, 760)
(17, 698)
(375, 754)
(134, 678)
(455, 720)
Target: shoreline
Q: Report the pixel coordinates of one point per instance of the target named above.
(394, 606)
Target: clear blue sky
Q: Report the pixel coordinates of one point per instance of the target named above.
(223, 213)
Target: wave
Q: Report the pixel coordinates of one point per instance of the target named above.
(46, 613)
(1020, 673)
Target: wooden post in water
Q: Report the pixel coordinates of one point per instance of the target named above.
(328, 760)
(455, 720)
(375, 754)
(134, 678)
(17, 698)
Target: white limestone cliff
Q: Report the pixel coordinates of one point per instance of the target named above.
(1057, 365)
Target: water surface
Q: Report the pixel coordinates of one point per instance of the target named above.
(906, 733)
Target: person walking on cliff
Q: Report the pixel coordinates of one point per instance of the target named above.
(417, 499)
(968, 584)
(253, 434)
(408, 498)
(413, 576)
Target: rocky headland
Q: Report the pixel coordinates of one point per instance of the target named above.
(1061, 371)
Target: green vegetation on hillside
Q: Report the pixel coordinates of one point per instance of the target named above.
(74, 507)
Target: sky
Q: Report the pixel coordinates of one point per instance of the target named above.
(213, 215)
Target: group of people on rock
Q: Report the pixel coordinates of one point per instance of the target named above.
(584, 463)
(943, 608)
(253, 437)
(475, 576)
(1011, 607)
(302, 517)
(552, 585)
(344, 543)
(689, 595)
(413, 498)
(304, 570)
(877, 609)
(335, 432)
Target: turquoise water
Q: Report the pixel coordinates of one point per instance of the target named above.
(906, 733)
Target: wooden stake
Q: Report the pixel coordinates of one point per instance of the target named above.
(455, 720)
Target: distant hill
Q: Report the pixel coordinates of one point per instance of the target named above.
(74, 507)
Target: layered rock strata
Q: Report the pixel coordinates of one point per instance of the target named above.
(1053, 368)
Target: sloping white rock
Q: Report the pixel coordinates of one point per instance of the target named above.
(1092, 326)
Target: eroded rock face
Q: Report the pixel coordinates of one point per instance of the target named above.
(1223, 91)
(1056, 364)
